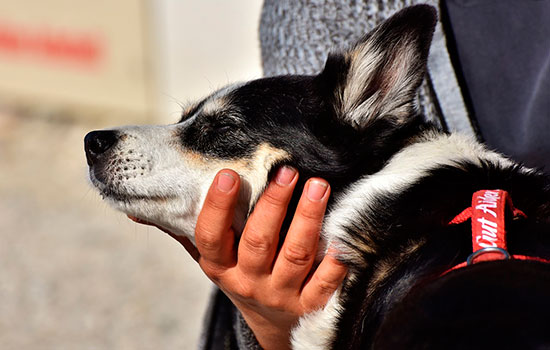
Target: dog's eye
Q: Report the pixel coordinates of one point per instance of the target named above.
(224, 125)
(223, 128)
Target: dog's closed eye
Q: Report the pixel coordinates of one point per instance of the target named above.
(223, 128)
(225, 123)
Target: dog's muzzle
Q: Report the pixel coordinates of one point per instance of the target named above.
(97, 143)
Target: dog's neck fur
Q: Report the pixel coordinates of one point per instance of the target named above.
(358, 216)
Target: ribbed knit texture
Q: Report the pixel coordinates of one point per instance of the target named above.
(297, 35)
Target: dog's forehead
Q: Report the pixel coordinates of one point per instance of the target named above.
(220, 100)
(217, 102)
(260, 94)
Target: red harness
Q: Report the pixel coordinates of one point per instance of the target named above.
(487, 213)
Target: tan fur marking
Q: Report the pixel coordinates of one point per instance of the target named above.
(215, 104)
(187, 109)
(386, 268)
(263, 159)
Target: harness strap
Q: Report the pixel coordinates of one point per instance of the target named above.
(488, 217)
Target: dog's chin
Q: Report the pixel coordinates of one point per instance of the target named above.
(173, 208)
(172, 213)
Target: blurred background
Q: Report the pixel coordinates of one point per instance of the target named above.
(75, 274)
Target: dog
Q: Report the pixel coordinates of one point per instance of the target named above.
(398, 184)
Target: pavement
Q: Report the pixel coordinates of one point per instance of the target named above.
(75, 274)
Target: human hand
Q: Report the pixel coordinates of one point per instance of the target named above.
(271, 288)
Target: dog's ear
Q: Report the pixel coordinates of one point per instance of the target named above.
(379, 76)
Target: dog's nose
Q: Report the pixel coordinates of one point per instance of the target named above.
(97, 143)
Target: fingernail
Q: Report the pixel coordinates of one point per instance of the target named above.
(316, 190)
(285, 175)
(225, 182)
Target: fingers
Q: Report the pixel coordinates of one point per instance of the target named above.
(300, 247)
(323, 283)
(213, 235)
(258, 244)
(259, 267)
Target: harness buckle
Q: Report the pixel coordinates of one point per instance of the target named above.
(477, 253)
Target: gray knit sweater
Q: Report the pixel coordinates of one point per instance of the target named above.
(295, 37)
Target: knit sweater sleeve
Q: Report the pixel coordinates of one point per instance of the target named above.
(296, 36)
(224, 327)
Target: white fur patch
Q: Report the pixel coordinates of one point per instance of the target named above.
(396, 80)
(364, 62)
(218, 101)
(389, 72)
(315, 330)
(403, 170)
(162, 183)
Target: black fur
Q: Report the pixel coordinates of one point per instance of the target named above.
(420, 216)
(496, 305)
(401, 242)
(392, 287)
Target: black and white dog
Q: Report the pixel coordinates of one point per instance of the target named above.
(397, 182)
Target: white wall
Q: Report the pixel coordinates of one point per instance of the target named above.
(203, 46)
(74, 273)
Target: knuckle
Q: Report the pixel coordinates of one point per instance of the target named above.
(276, 302)
(298, 254)
(312, 213)
(312, 304)
(213, 271)
(325, 286)
(206, 239)
(248, 290)
(245, 293)
(256, 242)
(274, 199)
(217, 203)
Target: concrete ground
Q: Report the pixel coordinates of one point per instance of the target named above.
(75, 274)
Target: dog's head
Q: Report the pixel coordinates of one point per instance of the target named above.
(340, 124)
